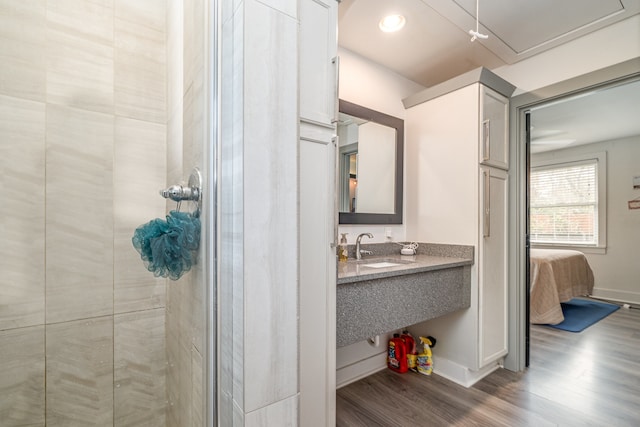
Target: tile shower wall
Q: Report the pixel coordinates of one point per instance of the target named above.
(258, 184)
(82, 156)
(186, 298)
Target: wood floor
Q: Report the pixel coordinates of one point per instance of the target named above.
(590, 378)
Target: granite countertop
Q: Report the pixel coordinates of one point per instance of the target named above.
(371, 301)
(353, 271)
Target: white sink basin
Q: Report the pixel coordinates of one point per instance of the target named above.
(382, 264)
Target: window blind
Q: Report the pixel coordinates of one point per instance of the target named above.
(564, 204)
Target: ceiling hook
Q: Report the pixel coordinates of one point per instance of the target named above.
(477, 34)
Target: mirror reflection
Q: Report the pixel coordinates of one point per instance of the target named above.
(370, 166)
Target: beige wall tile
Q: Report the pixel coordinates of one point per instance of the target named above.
(198, 391)
(175, 57)
(186, 297)
(79, 375)
(174, 151)
(180, 332)
(139, 173)
(89, 19)
(140, 60)
(193, 39)
(174, 353)
(179, 375)
(185, 381)
(193, 126)
(79, 209)
(22, 377)
(150, 13)
(22, 130)
(139, 87)
(193, 142)
(79, 73)
(140, 365)
(22, 48)
(68, 53)
(80, 54)
(188, 128)
(175, 92)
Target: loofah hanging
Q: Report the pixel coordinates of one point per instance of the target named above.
(169, 248)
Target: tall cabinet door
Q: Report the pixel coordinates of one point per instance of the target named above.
(494, 120)
(493, 273)
(318, 61)
(318, 211)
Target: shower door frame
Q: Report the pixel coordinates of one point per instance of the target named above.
(212, 90)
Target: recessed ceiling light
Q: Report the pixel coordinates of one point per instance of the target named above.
(392, 23)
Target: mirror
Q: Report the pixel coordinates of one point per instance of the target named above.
(370, 166)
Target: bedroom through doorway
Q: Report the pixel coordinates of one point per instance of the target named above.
(580, 231)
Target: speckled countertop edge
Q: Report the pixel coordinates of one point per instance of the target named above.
(433, 249)
(354, 271)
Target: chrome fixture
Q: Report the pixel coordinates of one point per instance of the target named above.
(360, 252)
(178, 193)
(191, 192)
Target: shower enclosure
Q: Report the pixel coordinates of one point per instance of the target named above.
(102, 104)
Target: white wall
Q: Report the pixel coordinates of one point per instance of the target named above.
(375, 192)
(373, 86)
(611, 45)
(368, 84)
(442, 202)
(617, 272)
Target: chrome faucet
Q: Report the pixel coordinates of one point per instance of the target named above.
(360, 252)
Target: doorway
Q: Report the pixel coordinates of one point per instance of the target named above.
(521, 107)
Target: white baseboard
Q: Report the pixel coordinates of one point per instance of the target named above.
(461, 374)
(361, 369)
(445, 368)
(615, 295)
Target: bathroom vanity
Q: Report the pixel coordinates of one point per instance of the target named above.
(389, 291)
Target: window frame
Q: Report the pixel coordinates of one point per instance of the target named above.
(556, 159)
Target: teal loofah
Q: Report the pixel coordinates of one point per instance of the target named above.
(168, 248)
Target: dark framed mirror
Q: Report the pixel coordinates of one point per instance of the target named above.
(370, 166)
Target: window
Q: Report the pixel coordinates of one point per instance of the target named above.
(567, 203)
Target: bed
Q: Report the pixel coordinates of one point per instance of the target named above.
(557, 276)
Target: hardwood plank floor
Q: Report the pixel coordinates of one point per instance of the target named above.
(590, 378)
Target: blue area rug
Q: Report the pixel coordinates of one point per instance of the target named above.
(579, 314)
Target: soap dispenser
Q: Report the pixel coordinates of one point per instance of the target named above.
(343, 254)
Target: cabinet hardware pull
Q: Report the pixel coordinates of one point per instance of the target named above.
(336, 214)
(336, 62)
(486, 140)
(486, 202)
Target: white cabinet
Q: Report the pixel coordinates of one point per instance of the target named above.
(318, 61)
(492, 262)
(494, 137)
(492, 242)
(458, 194)
(318, 212)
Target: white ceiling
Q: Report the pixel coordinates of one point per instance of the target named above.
(600, 115)
(434, 46)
